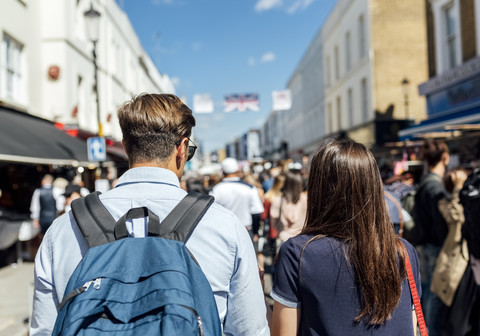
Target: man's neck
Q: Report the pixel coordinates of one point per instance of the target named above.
(148, 164)
(439, 169)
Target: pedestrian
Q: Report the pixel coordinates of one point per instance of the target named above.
(288, 211)
(430, 228)
(72, 192)
(46, 204)
(238, 196)
(345, 273)
(270, 197)
(452, 278)
(156, 132)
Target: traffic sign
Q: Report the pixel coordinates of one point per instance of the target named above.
(97, 151)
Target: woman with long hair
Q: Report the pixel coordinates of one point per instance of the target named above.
(345, 273)
(290, 209)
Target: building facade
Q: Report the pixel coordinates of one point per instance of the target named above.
(349, 82)
(47, 65)
(452, 91)
(368, 49)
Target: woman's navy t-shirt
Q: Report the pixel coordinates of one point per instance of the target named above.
(327, 292)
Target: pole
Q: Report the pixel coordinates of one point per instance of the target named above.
(406, 108)
(94, 53)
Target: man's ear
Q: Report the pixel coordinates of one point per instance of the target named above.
(181, 153)
(446, 158)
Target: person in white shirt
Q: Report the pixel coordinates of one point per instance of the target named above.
(156, 135)
(238, 196)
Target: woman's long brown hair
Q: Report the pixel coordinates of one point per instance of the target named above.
(345, 201)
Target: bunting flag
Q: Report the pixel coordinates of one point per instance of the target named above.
(282, 100)
(241, 102)
(202, 103)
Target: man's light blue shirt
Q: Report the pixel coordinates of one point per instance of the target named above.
(220, 244)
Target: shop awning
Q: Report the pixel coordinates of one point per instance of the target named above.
(440, 124)
(28, 139)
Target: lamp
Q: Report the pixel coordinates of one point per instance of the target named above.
(405, 88)
(92, 21)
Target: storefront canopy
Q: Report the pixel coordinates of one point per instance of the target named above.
(28, 139)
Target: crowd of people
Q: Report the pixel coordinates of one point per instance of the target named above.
(350, 248)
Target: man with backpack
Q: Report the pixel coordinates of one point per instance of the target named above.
(156, 130)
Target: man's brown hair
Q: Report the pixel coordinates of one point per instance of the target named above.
(433, 151)
(152, 124)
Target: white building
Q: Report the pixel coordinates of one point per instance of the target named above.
(47, 63)
(305, 121)
(250, 145)
(347, 66)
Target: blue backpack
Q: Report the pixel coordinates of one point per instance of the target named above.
(138, 286)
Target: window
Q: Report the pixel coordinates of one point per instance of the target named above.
(339, 112)
(337, 64)
(450, 36)
(350, 106)
(327, 71)
(361, 37)
(12, 80)
(348, 52)
(364, 99)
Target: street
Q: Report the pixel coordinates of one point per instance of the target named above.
(16, 291)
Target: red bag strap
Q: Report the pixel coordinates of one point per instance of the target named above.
(416, 299)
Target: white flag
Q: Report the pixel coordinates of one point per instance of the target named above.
(202, 103)
(282, 100)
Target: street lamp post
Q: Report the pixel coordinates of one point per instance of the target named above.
(405, 88)
(92, 20)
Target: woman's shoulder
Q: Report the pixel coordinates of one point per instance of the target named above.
(313, 243)
(412, 252)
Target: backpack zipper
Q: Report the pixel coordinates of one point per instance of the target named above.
(77, 291)
(199, 320)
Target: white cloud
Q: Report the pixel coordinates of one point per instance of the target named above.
(298, 5)
(290, 6)
(175, 81)
(268, 57)
(264, 5)
(251, 61)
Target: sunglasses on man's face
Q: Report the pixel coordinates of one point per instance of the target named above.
(191, 149)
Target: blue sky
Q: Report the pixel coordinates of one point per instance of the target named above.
(222, 47)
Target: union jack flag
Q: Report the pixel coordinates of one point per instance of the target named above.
(241, 102)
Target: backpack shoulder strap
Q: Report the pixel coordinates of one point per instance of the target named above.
(184, 218)
(95, 222)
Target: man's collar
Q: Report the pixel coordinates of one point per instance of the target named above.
(148, 174)
(234, 178)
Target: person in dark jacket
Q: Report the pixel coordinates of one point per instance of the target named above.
(431, 228)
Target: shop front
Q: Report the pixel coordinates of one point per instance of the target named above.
(453, 110)
(29, 148)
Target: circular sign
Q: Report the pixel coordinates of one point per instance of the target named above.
(53, 72)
